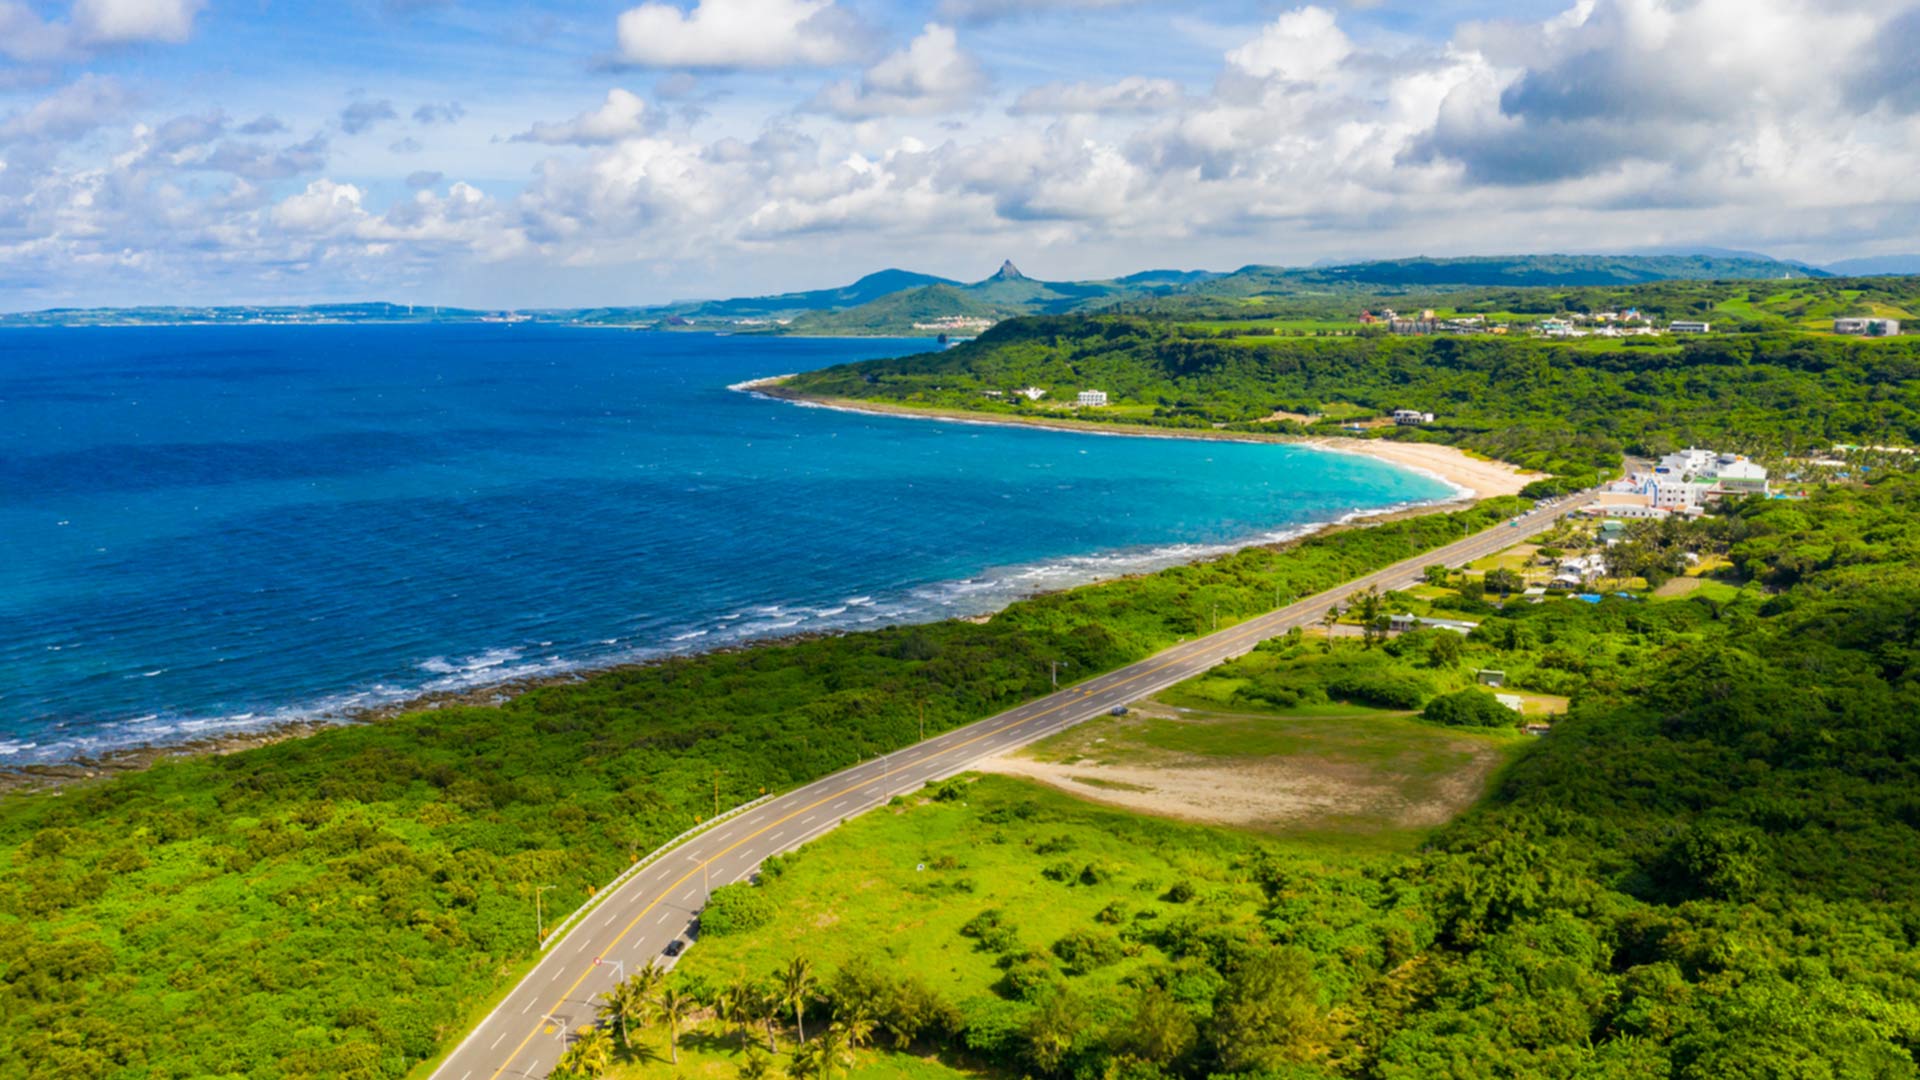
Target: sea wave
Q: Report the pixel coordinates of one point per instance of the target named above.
(979, 593)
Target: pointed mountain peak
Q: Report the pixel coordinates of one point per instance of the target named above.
(1008, 272)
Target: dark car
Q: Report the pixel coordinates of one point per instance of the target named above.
(674, 948)
(1117, 710)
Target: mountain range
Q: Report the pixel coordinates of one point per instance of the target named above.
(903, 301)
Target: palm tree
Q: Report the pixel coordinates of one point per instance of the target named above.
(766, 1006)
(796, 986)
(759, 1066)
(673, 1005)
(628, 1003)
(828, 1054)
(735, 1005)
(590, 1055)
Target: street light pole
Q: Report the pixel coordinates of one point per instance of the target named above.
(539, 922)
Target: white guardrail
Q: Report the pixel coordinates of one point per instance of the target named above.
(561, 928)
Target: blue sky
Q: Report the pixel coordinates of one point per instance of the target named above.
(526, 154)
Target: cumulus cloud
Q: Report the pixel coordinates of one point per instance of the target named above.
(120, 22)
(363, 115)
(736, 34)
(406, 145)
(931, 75)
(263, 125)
(1133, 94)
(25, 36)
(624, 115)
(253, 161)
(1305, 45)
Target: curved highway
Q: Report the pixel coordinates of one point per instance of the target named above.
(524, 1035)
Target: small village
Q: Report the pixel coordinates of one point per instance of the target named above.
(1629, 323)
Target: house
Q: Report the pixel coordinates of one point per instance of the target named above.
(1411, 417)
(1868, 327)
(1031, 393)
(1511, 701)
(1091, 398)
(1490, 677)
(1688, 326)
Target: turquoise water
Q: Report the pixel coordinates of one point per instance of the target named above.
(210, 528)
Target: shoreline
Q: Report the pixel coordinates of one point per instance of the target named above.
(1471, 477)
(1445, 466)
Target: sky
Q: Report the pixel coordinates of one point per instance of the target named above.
(504, 153)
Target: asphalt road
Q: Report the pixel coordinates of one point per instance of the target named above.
(524, 1035)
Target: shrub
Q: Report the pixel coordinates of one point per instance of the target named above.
(1469, 708)
(735, 909)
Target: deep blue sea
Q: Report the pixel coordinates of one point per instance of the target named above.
(204, 528)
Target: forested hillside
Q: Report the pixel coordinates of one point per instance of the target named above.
(1568, 409)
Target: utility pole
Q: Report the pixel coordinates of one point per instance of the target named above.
(716, 793)
(1216, 615)
(1055, 666)
(539, 922)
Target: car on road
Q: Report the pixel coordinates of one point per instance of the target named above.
(674, 948)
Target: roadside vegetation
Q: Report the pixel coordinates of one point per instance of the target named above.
(1710, 868)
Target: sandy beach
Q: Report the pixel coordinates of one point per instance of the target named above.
(1476, 478)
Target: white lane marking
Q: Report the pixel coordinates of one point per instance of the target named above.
(496, 1040)
(662, 918)
(777, 835)
(808, 819)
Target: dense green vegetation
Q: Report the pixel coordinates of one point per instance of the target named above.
(337, 905)
(1568, 410)
(1710, 869)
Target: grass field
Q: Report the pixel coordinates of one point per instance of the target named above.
(896, 886)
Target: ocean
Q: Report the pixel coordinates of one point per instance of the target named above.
(205, 529)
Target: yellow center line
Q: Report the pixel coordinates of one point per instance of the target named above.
(1252, 627)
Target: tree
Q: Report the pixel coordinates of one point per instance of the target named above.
(759, 1066)
(628, 1002)
(1161, 1030)
(1330, 620)
(1504, 581)
(1437, 575)
(797, 983)
(1270, 1015)
(825, 1056)
(737, 1005)
(1053, 1028)
(1445, 650)
(673, 1004)
(591, 1055)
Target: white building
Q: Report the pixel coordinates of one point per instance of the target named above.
(1031, 393)
(1741, 475)
(1687, 464)
(1688, 326)
(1868, 327)
(1411, 417)
(1091, 398)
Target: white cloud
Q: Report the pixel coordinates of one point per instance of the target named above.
(122, 22)
(1133, 94)
(68, 113)
(624, 115)
(933, 74)
(1304, 45)
(736, 34)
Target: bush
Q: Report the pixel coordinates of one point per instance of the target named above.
(735, 909)
(1085, 950)
(1469, 708)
